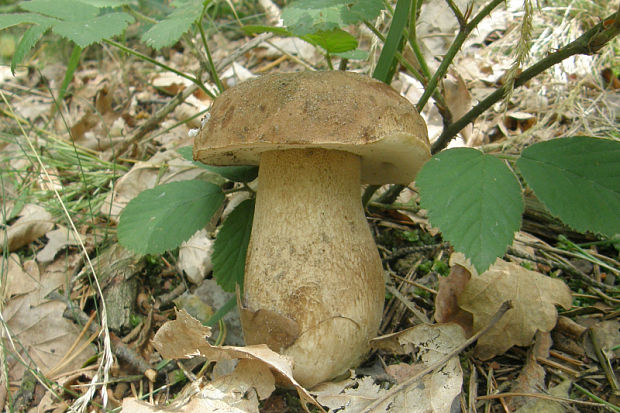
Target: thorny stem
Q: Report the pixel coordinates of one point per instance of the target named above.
(452, 51)
(506, 305)
(589, 43)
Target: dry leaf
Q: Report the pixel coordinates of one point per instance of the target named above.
(447, 309)
(33, 222)
(533, 295)
(459, 102)
(185, 338)
(56, 240)
(38, 326)
(436, 391)
(195, 256)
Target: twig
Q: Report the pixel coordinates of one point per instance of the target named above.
(373, 407)
(588, 43)
(155, 120)
(421, 316)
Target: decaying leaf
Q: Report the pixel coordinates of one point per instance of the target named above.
(39, 333)
(436, 391)
(447, 309)
(348, 396)
(258, 368)
(33, 222)
(195, 256)
(56, 240)
(533, 295)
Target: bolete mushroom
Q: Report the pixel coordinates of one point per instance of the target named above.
(314, 286)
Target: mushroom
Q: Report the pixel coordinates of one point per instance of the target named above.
(314, 285)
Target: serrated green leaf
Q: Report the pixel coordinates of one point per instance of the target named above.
(578, 180)
(232, 173)
(27, 42)
(475, 200)
(86, 32)
(161, 218)
(69, 10)
(231, 246)
(258, 29)
(304, 17)
(356, 54)
(333, 41)
(107, 3)
(169, 30)
(9, 20)
(235, 173)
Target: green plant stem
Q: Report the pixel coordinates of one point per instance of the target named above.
(211, 66)
(596, 398)
(460, 38)
(74, 60)
(384, 71)
(588, 43)
(413, 41)
(146, 58)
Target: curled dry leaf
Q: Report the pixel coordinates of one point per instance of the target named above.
(533, 295)
(447, 309)
(195, 256)
(185, 338)
(33, 222)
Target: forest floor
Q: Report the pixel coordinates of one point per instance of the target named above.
(68, 170)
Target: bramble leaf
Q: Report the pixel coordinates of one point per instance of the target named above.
(87, 32)
(161, 218)
(169, 30)
(231, 246)
(311, 16)
(241, 173)
(475, 200)
(578, 180)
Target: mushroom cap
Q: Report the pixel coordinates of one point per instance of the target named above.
(330, 110)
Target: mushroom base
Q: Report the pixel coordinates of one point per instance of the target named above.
(314, 286)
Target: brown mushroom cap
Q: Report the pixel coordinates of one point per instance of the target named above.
(329, 110)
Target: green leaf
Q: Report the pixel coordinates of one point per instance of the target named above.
(304, 17)
(232, 173)
(69, 10)
(333, 41)
(356, 54)
(93, 30)
(27, 42)
(107, 3)
(578, 180)
(9, 20)
(161, 218)
(387, 63)
(169, 30)
(257, 29)
(475, 200)
(231, 246)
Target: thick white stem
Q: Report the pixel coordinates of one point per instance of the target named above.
(312, 265)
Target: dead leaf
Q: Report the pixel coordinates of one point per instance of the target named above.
(459, 101)
(37, 324)
(348, 396)
(446, 306)
(531, 378)
(33, 222)
(56, 240)
(533, 296)
(195, 256)
(185, 338)
(436, 391)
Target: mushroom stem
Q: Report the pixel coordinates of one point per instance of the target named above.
(312, 263)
